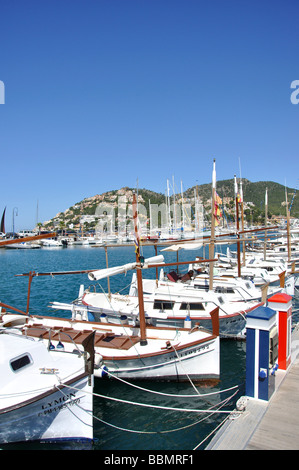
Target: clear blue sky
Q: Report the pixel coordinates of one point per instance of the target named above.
(99, 93)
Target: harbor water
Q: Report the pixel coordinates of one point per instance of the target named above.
(168, 422)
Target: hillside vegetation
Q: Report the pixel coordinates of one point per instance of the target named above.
(253, 195)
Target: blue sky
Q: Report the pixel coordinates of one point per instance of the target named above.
(100, 93)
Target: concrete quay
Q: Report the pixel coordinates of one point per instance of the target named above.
(267, 425)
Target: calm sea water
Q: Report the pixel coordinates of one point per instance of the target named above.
(119, 426)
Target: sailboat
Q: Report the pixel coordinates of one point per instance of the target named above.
(137, 351)
(168, 303)
(2, 225)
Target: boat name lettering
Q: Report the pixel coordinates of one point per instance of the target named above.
(190, 351)
(58, 404)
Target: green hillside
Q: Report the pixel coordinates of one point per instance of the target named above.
(253, 194)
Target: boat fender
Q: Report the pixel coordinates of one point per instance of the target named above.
(104, 371)
(98, 360)
(90, 316)
(187, 322)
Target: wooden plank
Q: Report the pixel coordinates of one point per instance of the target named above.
(279, 428)
(272, 425)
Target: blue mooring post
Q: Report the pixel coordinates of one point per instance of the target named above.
(261, 352)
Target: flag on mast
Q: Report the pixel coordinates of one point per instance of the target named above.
(217, 209)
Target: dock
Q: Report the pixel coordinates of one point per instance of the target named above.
(267, 425)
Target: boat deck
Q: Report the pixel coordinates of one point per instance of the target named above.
(272, 425)
(105, 340)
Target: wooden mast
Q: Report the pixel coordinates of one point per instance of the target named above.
(143, 340)
(288, 227)
(27, 239)
(242, 219)
(237, 226)
(212, 239)
(266, 219)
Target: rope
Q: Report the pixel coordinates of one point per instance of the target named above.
(211, 410)
(76, 404)
(170, 394)
(146, 405)
(185, 371)
(212, 432)
(169, 430)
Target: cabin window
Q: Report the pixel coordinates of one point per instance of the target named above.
(163, 305)
(198, 286)
(191, 306)
(224, 290)
(20, 362)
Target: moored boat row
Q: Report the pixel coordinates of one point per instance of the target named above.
(167, 328)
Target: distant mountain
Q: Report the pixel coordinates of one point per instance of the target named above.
(253, 194)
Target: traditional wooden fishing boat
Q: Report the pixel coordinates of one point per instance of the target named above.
(46, 395)
(177, 354)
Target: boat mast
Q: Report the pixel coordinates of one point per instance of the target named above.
(242, 215)
(266, 218)
(143, 340)
(237, 225)
(242, 222)
(212, 239)
(288, 226)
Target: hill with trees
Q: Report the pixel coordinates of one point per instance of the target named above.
(84, 212)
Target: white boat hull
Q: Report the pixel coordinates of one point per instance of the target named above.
(198, 362)
(232, 321)
(169, 354)
(46, 394)
(61, 415)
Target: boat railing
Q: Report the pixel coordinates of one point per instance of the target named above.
(51, 331)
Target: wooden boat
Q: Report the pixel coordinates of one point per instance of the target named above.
(177, 354)
(46, 395)
(136, 351)
(168, 308)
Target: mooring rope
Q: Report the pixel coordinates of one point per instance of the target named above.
(146, 405)
(170, 394)
(211, 410)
